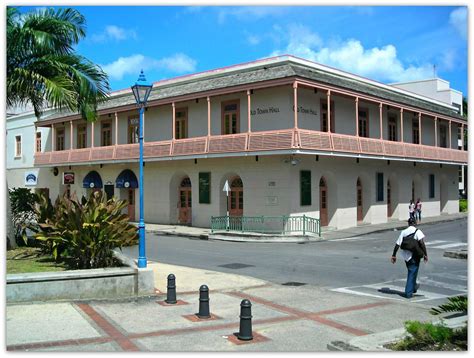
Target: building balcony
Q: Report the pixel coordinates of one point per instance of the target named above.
(291, 140)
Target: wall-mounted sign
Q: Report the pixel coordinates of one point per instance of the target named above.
(271, 200)
(303, 110)
(268, 110)
(31, 178)
(68, 178)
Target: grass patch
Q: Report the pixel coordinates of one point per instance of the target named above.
(30, 259)
(462, 205)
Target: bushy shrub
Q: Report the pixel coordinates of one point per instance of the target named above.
(23, 214)
(436, 337)
(462, 205)
(84, 232)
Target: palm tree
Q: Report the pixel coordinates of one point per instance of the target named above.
(43, 68)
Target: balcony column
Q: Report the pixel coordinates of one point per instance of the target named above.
(380, 116)
(71, 128)
(401, 124)
(462, 136)
(92, 134)
(116, 128)
(173, 124)
(419, 128)
(357, 115)
(329, 110)
(249, 128)
(295, 110)
(208, 123)
(295, 104)
(450, 146)
(53, 138)
(436, 131)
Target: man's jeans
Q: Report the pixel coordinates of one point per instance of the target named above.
(412, 266)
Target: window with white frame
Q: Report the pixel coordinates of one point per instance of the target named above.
(18, 146)
(38, 142)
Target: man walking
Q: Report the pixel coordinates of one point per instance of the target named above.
(412, 258)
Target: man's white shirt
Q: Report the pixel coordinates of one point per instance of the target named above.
(408, 231)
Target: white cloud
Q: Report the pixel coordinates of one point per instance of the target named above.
(379, 63)
(458, 19)
(178, 63)
(112, 32)
(249, 13)
(253, 40)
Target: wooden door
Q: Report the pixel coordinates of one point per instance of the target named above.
(236, 205)
(359, 201)
(230, 117)
(185, 200)
(323, 202)
(389, 200)
(131, 204)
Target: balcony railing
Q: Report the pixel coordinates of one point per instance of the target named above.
(254, 142)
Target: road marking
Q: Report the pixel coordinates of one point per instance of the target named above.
(448, 246)
(358, 238)
(426, 281)
(399, 286)
(451, 276)
(430, 243)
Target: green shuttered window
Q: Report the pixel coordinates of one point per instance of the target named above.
(432, 186)
(379, 181)
(305, 187)
(204, 188)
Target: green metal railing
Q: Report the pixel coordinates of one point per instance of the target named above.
(267, 224)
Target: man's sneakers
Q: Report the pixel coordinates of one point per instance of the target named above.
(417, 286)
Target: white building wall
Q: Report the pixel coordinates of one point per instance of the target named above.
(272, 109)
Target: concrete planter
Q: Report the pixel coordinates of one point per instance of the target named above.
(115, 282)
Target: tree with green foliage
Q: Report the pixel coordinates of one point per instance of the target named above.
(43, 68)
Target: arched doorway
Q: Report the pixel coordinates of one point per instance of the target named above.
(360, 215)
(389, 200)
(127, 183)
(236, 205)
(185, 200)
(323, 202)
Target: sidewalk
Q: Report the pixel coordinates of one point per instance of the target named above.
(205, 234)
(285, 318)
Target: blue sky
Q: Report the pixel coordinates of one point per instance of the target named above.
(388, 44)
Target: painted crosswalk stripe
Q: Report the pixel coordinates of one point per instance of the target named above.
(451, 276)
(450, 286)
(435, 242)
(448, 246)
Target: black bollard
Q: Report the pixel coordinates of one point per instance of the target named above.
(204, 302)
(171, 292)
(245, 332)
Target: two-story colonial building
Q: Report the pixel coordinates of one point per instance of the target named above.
(290, 136)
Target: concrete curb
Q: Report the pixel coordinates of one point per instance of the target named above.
(456, 254)
(265, 239)
(377, 341)
(238, 237)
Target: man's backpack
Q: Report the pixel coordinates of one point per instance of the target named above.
(411, 244)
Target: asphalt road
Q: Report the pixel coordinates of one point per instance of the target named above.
(356, 264)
